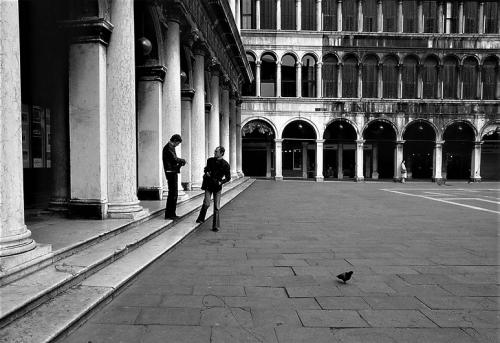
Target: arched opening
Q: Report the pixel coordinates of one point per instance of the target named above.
(471, 15)
(410, 78)
(330, 76)
(268, 76)
(350, 77)
(389, 9)
(370, 77)
(288, 76)
(490, 155)
(418, 150)
(390, 78)
(308, 77)
(380, 139)
(258, 148)
(299, 147)
(249, 88)
(339, 150)
(469, 78)
(429, 78)
(457, 151)
(329, 12)
(489, 78)
(268, 14)
(450, 78)
(349, 15)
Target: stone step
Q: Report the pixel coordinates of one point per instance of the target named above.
(93, 274)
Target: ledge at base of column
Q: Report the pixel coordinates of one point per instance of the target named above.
(87, 209)
(240, 173)
(359, 178)
(319, 178)
(439, 181)
(150, 193)
(278, 178)
(58, 205)
(181, 195)
(475, 179)
(235, 176)
(126, 211)
(8, 263)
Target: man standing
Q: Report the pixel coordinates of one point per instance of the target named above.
(172, 166)
(217, 172)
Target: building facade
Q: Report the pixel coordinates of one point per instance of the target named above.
(91, 91)
(351, 88)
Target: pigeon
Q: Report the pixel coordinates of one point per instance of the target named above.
(345, 276)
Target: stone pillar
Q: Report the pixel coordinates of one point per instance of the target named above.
(268, 161)
(380, 83)
(319, 160)
(121, 116)
(198, 118)
(479, 86)
(439, 71)
(257, 78)
(319, 17)
(339, 15)
(359, 160)
(475, 175)
(149, 127)
(339, 81)
(172, 92)
(208, 109)
(319, 76)
(237, 16)
(298, 79)
(187, 96)
(360, 15)
(400, 81)
(87, 120)
(459, 81)
(278, 15)
(278, 156)
(398, 158)
(497, 72)
(438, 162)
(420, 83)
(239, 152)
(340, 164)
(224, 121)
(420, 16)
(399, 16)
(232, 136)
(298, 14)
(360, 80)
(278, 79)
(257, 14)
(15, 238)
(304, 160)
(375, 162)
(461, 25)
(214, 118)
(480, 19)
(380, 16)
(440, 16)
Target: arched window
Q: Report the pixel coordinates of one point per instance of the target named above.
(389, 9)
(308, 77)
(469, 78)
(370, 16)
(268, 75)
(309, 15)
(288, 75)
(248, 14)
(350, 78)
(390, 78)
(430, 16)
(288, 13)
(410, 16)
(369, 77)
(350, 15)
(268, 14)
(489, 79)
(249, 88)
(450, 78)
(410, 78)
(470, 14)
(429, 78)
(329, 11)
(330, 76)
(491, 17)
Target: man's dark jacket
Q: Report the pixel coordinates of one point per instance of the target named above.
(219, 173)
(171, 163)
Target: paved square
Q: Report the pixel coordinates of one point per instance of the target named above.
(425, 262)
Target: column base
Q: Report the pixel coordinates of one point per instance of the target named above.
(278, 178)
(88, 209)
(234, 176)
(240, 173)
(439, 180)
(10, 263)
(17, 244)
(359, 178)
(186, 186)
(130, 210)
(181, 195)
(150, 193)
(319, 178)
(397, 179)
(58, 205)
(475, 179)
(375, 175)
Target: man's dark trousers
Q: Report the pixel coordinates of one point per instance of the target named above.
(172, 194)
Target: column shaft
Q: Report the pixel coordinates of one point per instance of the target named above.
(461, 25)
(278, 79)
(278, 15)
(380, 16)
(319, 18)
(438, 162)
(339, 81)
(186, 113)
(476, 162)
(440, 16)
(304, 160)
(319, 159)
(359, 160)
(257, 78)
(268, 161)
(360, 15)
(399, 16)
(339, 15)
(298, 78)
(257, 14)
(239, 151)
(224, 121)
(214, 119)
(398, 158)
(319, 76)
(198, 121)
(375, 161)
(420, 16)
(340, 164)
(298, 13)
(278, 157)
(480, 19)
(232, 138)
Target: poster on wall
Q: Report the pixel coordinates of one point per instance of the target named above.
(26, 136)
(37, 121)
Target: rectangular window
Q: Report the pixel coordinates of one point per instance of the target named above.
(268, 14)
(410, 16)
(329, 9)
(430, 16)
(491, 17)
(248, 14)
(389, 10)
(309, 15)
(349, 15)
(370, 16)
(451, 17)
(470, 14)
(288, 15)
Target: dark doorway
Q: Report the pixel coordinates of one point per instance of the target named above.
(490, 156)
(382, 137)
(298, 139)
(418, 150)
(257, 148)
(457, 151)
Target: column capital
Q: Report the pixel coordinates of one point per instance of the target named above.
(478, 143)
(151, 73)
(400, 142)
(200, 47)
(439, 143)
(187, 94)
(88, 30)
(320, 141)
(258, 63)
(174, 13)
(278, 140)
(319, 64)
(298, 64)
(278, 63)
(214, 65)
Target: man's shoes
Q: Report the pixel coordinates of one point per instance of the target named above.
(214, 229)
(172, 217)
(200, 221)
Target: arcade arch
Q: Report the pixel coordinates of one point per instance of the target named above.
(258, 148)
(298, 154)
(457, 150)
(339, 150)
(380, 138)
(418, 151)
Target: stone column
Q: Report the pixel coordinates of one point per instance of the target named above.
(224, 120)
(398, 158)
(360, 15)
(420, 83)
(232, 136)
(319, 160)
(339, 81)
(298, 79)
(239, 152)
(438, 162)
(359, 160)
(214, 119)
(198, 117)
(257, 14)
(380, 16)
(121, 116)
(319, 17)
(420, 16)
(375, 161)
(479, 86)
(278, 15)
(340, 164)
(439, 71)
(461, 17)
(459, 81)
(319, 77)
(149, 127)
(304, 160)
(257, 78)
(480, 19)
(440, 16)
(172, 91)
(87, 119)
(380, 83)
(237, 16)
(497, 73)
(298, 14)
(278, 79)
(339, 15)
(208, 109)
(278, 156)
(15, 238)
(399, 16)
(475, 175)
(400, 81)
(187, 96)
(268, 161)
(360, 80)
